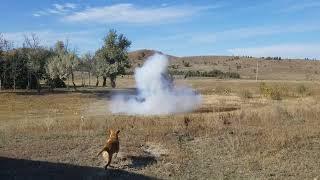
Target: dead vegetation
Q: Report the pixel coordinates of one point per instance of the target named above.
(284, 69)
(231, 136)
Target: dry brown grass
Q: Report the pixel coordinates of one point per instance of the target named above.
(228, 137)
(268, 69)
(286, 69)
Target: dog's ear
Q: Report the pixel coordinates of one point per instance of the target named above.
(118, 131)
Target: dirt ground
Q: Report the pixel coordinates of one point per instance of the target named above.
(230, 136)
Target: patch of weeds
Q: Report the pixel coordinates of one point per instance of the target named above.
(275, 92)
(3, 139)
(246, 94)
(302, 90)
(223, 90)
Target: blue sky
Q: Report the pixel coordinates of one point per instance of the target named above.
(287, 28)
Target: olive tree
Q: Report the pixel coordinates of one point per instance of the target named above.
(71, 61)
(63, 64)
(88, 61)
(113, 57)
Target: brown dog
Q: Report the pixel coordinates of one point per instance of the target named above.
(112, 146)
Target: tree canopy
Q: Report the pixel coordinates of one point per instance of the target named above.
(113, 56)
(26, 66)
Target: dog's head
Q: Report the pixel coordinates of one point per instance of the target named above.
(114, 133)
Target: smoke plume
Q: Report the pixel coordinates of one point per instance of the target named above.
(156, 93)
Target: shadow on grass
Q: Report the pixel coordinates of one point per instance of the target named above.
(27, 169)
(215, 109)
(100, 92)
(141, 161)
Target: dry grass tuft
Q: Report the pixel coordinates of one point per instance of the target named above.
(227, 137)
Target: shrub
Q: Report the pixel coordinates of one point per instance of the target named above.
(246, 94)
(301, 89)
(232, 75)
(222, 90)
(212, 73)
(174, 66)
(56, 83)
(264, 89)
(273, 92)
(186, 64)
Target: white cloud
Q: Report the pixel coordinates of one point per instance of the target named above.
(282, 50)
(242, 33)
(53, 11)
(302, 5)
(36, 14)
(128, 13)
(64, 7)
(58, 9)
(250, 32)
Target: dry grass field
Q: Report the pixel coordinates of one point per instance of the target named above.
(285, 69)
(243, 130)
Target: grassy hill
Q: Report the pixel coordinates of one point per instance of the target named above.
(285, 69)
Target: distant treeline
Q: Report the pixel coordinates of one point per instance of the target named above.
(272, 58)
(213, 73)
(196, 73)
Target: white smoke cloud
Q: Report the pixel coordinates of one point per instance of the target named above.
(156, 92)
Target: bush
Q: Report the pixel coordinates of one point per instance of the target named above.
(301, 89)
(212, 73)
(273, 92)
(174, 66)
(222, 90)
(186, 64)
(246, 94)
(56, 83)
(232, 75)
(264, 89)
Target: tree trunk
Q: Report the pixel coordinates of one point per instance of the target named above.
(89, 79)
(113, 81)
(4, 81)
(68, 82)
(104, 81)
(14, 82)
(82, 79)
(14, 78)
(28, 84)
(51, 84)
(38, 84)
(97, 83)
(0, 84)
(72, 78)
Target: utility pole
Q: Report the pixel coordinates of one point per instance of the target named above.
(257, 70)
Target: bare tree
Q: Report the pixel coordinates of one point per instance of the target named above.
(32, 44)
(71, 61)
(2, 40)
(5, 47)
(14, 57)
(88, 60)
